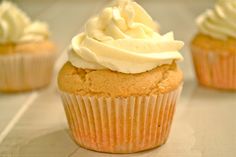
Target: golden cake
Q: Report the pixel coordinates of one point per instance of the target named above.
(214, 47)
(26, 53)
(121, 82)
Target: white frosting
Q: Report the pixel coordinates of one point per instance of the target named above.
(15, 26)
(219, 22)
(123, 38)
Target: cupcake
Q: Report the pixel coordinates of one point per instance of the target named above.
(214, 46)
(26, 53)
(121, 82)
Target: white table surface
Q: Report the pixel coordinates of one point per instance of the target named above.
(33, 124)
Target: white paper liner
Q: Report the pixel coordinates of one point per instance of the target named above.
(217, 70)
(21, 72)
(120, 125)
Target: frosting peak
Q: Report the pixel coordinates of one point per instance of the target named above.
(123, 19)
(219, 22)
(123, 38)
(16, 26)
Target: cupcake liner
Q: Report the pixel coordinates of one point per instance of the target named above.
(217, 70)
(20, 72)
(120, 125)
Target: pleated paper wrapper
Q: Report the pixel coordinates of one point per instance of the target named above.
(21, 72)
(217, 70)
(120, 125)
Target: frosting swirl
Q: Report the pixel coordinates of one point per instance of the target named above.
(15, 26)
(219, 22)
(123, 38)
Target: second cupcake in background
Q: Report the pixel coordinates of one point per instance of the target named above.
(121, 83)
(214, 47)
(26, 53)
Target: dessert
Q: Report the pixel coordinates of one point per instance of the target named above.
(26, 53)
(214, 46)
(121, 82)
